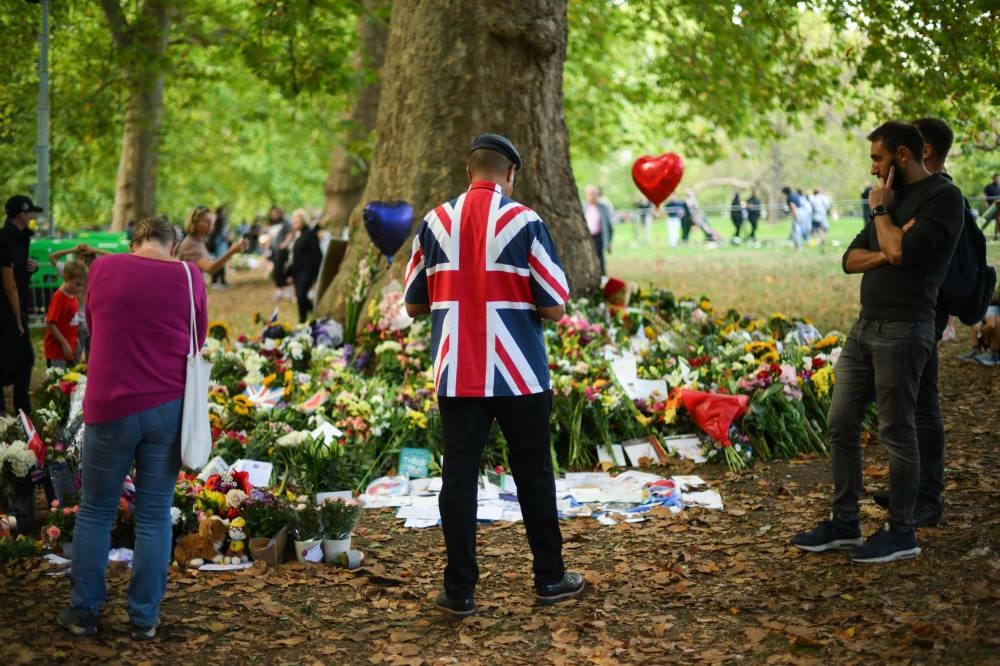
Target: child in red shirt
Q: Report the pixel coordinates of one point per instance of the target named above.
(63, 317)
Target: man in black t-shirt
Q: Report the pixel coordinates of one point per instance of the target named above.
(888, 347)
(16, 353)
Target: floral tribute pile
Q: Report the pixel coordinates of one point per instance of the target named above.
(331, 416)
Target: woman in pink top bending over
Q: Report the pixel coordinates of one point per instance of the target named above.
(138, 312)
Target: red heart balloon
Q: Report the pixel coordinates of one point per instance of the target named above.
(657, 177)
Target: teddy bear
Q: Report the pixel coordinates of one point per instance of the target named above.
(193, 550)
(236, 551)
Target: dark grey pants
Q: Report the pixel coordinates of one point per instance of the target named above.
(881, 361)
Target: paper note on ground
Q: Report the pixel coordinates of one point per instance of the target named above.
(685, 446)
(709, 499)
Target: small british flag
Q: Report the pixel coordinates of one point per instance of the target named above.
(35, 442)
(263, 397)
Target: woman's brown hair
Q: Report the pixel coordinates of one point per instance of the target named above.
(154, 228)
(192, 221)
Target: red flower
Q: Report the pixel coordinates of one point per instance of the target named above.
(818, 363)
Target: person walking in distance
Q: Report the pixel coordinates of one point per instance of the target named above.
(888, 347)
(598, 222)
(485, 268)
(753, 215)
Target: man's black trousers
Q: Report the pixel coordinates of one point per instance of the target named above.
(524, 421)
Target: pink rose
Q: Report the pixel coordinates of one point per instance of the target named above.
(53, 532)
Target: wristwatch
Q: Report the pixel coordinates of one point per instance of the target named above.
(879, 210)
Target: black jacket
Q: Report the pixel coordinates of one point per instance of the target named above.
(306, 258)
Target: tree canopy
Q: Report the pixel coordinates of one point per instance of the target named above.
(256, 92)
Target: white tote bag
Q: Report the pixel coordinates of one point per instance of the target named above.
(196, 432)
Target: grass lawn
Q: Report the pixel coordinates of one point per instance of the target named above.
(754, 280)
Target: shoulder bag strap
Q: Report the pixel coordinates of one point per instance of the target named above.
(192, 338)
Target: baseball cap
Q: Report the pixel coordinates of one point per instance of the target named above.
(20, 204)
(498, 144)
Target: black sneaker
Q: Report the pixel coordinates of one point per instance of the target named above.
(925, 514)
(78, 622)
(829, 535)
(144, 633)
(458, 607)
(571, 585)
(887, 545)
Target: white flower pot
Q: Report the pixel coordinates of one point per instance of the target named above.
(308, 551)
(333, 547)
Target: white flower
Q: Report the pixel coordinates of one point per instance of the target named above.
(389, 345)
(20, 458)
(294, 438)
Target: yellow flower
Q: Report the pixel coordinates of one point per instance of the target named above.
(706, 305)
(770, 357)
(823, 380)
(241, 405)
(270, 379)
(218, 330)
(642, 419)
(71, 377)
(827, 342)
(288, 376)
(417, 419)
(670, 416)
(650, 333)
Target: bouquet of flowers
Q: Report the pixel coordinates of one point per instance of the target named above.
(16, 461)
(263, 513)
(59, 524)
(339, 517)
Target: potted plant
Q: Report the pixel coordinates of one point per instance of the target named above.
(338, 518)
(266, 526)
(306, 530)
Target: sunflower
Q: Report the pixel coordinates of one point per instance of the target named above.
(218, 330)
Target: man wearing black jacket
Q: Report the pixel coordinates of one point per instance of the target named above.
(885, 353)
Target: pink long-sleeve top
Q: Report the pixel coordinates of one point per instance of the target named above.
(138, 313)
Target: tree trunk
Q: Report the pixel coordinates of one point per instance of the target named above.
(144, 47)
(449, 75)
(351, 158)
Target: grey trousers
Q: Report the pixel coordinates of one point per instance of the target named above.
(881, 361)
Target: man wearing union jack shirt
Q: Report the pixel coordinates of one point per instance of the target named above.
(486, 270)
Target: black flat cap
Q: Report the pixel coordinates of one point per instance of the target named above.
(498, 144)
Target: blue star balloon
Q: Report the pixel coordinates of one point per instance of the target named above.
(388, 223)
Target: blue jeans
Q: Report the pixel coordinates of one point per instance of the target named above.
(151, 439)
(881, 361)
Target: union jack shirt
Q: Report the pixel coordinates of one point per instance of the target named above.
(484, 264)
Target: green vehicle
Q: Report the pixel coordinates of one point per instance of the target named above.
(47, 278)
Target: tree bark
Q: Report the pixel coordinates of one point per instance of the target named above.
(143, 47)
(351, 158)
(450, 74)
